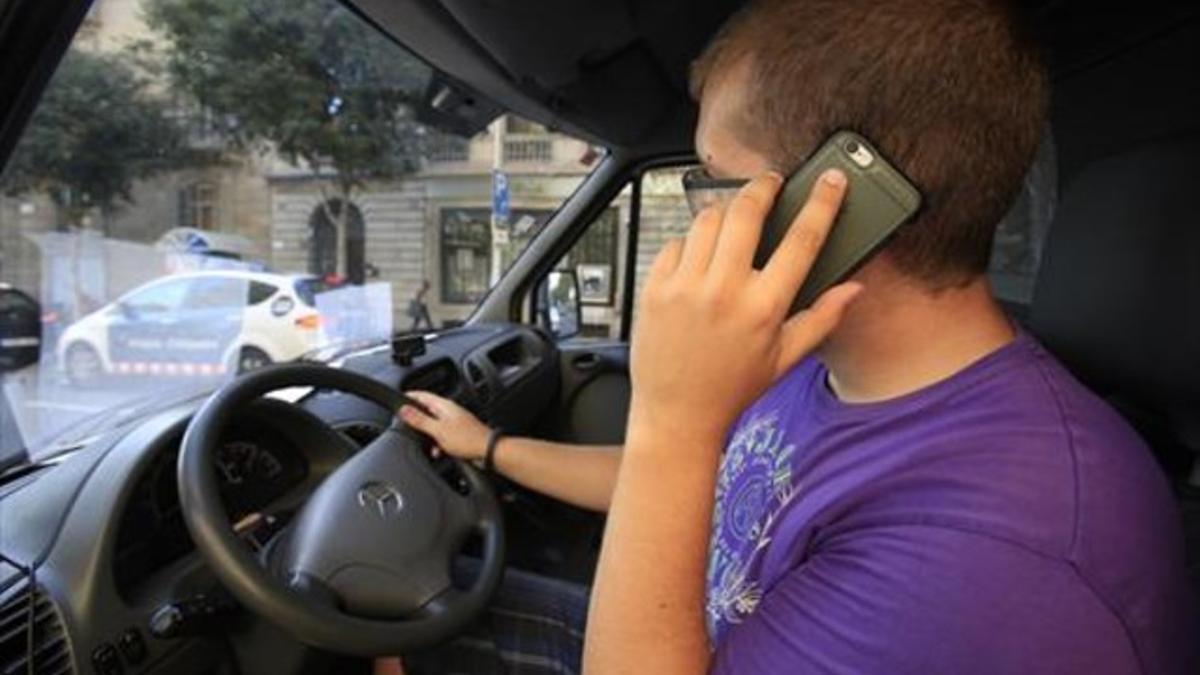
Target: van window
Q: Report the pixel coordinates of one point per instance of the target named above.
(1017, 248)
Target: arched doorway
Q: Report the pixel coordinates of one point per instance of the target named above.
(323, 253)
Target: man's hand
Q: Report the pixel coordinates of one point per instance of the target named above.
(711, 333)
(454, 429)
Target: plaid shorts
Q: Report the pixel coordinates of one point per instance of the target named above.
(534, 626)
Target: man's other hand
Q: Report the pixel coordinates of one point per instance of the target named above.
(453, 429)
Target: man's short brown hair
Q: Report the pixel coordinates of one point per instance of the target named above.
(952, 91)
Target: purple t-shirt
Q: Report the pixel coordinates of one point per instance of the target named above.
(1004, 520)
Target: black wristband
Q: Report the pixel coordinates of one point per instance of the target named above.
(489, 454)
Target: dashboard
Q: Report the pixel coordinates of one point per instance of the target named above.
(103, 531)
(255, 468)
(256, 465)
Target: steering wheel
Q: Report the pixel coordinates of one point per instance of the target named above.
(364, 568)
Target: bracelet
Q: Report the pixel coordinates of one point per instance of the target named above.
(489, 454)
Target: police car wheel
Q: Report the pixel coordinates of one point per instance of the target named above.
(83, 364)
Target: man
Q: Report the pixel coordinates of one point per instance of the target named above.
(898, 480)
(418, 311)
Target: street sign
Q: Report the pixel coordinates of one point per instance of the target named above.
(500, 206)
(524, 225)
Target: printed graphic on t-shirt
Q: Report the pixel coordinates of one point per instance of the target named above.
(754, 484)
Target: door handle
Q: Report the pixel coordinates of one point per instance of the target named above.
(586, 361)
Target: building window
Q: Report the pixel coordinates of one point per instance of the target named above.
(198, 206)
(201, 125)
(466, 249)
(450, 149)
(523, 225)
(528, 149)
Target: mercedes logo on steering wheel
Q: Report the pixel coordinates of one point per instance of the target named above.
(380, 497)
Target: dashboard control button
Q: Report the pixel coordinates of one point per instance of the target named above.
(132, 646)
(166, 622)
(198, 614)
(105, 660)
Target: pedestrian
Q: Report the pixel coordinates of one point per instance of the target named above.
(418, 311)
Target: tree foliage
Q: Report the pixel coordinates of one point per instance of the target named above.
(305, 78)
(97, 129)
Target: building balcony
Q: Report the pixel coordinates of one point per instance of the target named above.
(540, 152)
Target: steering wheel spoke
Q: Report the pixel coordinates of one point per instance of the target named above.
(314, 590)
(462, 510)
(364, 567)
(441, 603)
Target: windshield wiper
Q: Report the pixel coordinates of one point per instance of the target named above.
(18, 471)
(14, 459)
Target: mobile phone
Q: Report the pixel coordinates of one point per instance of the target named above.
(879, 199)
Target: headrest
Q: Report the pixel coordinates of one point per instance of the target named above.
(1118, 294)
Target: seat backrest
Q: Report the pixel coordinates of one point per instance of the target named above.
(1118, 300)
(1118, 293)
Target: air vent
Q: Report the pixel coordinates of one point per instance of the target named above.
(474, 373)
(32, 637)
(479, 381)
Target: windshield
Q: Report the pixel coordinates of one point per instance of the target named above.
(210, 186)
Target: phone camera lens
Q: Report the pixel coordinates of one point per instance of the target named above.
(852, 147)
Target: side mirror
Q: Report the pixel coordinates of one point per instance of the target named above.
(558, 307)
(20, 329)
(126, 310)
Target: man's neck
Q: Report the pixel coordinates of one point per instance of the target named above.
(898, 338)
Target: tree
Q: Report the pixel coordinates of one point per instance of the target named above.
(304, 78)
(96, 130)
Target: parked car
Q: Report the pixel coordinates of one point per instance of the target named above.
(20, 328)
(195, 324)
